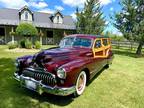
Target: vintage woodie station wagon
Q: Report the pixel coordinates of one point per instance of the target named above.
(65, 69)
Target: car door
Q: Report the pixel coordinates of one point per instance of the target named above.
(107, 46)
(98, 52)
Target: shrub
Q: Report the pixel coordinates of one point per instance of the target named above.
(28, 44)
(37, 45)
(22, 43)
(27, 30)
(12, 45)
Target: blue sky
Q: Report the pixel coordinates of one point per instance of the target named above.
(67, 7)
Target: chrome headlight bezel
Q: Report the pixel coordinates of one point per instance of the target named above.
(29, 60)
(61, 73)
(17, 63)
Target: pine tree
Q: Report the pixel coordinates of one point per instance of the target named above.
(90, 20)
(130, 21)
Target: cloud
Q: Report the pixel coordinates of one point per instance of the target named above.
(111, 9)
(73, 16)
(59, 8)
(105, 2)
(35, 0)
(46, 10)
(117, 32)
(80, 3)
(16, 4)
(74, 3)
(38, 5)
(107, 22)
(112, 29)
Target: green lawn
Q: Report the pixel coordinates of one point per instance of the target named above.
(120, 86)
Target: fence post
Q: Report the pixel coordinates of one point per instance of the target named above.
(131, 44)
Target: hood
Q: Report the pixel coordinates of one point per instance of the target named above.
(53, 58)
(59, 52)
(64, 51)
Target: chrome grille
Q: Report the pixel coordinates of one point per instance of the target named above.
(45, 77)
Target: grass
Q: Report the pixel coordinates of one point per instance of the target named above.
(120, 86)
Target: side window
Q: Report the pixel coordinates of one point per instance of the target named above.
(98, 44)
(105, 42)
(109, 41)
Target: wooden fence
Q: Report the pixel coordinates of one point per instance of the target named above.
(126, 44)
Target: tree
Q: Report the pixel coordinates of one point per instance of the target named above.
(130, 21)
(26, 30)
(90, 20)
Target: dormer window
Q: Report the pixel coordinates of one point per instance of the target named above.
(57, 18)
(26, 15)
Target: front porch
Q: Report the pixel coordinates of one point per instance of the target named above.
(50, 36)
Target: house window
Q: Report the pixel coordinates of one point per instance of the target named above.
(57, 19)
(26, 15)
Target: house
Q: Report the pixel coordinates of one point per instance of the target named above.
(53, 26)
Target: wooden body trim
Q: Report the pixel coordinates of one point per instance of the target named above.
(103, 48)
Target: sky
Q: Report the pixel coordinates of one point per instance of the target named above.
(67, 7)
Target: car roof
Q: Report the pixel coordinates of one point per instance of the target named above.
(89, 36)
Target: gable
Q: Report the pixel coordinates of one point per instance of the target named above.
(58, 19)
(26, 16)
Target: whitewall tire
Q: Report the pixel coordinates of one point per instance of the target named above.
(81, 83)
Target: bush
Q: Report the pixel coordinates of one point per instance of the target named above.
(22, 43)
(37, 45)
(28, 44)
(26, 29)
(12, 45)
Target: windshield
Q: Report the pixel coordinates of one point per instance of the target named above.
(75, 42)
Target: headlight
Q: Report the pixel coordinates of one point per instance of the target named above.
(17, 63)
(61, 73)
(29, 60)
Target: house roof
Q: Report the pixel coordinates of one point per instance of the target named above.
(11, 17)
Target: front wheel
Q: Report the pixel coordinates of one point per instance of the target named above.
(80, 83)
(106, 66)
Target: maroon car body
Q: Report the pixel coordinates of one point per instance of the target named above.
(56, 70)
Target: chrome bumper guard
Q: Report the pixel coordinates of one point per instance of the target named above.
(40, 88)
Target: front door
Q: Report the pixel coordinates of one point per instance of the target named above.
(98, 56)
(50, 37)
(2, 35)
(101, 49)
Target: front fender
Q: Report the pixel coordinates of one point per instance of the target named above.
(23, 62)
(73, 69)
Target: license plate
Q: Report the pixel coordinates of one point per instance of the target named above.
(30, 84)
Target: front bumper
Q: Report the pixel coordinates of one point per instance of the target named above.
(40, 88)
